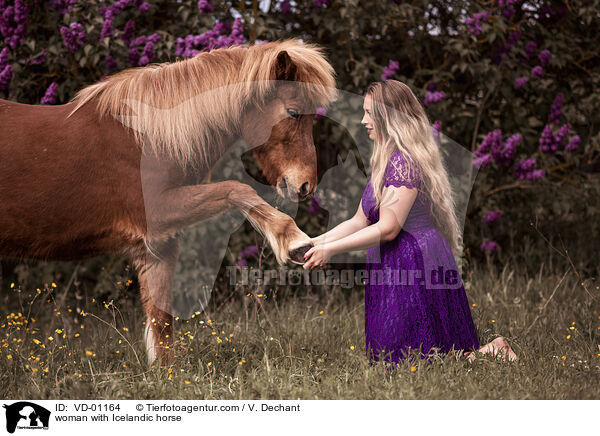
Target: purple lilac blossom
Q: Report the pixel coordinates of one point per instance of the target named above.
(535, 175)
(241, 263)
(489, 246)
(4, 57)
(433, 97)
(154, 38)
(73, 36)
(191, 45)
(147, 54)
(491, 141)
(525, 165)
(520, 82)
(482, 161)
(524, 170)
(547, 139)
(144, 7)
(111, 64)
(321, 112)
(504, 49)
(134, 57)
(205, 6)
(40, 58)
(284, 7)
(561, 135)
(544, 57)
(117, 7)
(63, 6)
(474, 23)
(6, 27)
(509, 12)
(50, 95)
(513, 38)
(555, 110)
(537, 72)
(390, 70)
(320, 3)
(5, 77)
(504, 155)
(128, 31)
(107, 29)
(492, 216)
(250, 251)
(530, 48)
(13, 24)
(315, 205)
(573, 144)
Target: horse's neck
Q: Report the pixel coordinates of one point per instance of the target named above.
(198, 173)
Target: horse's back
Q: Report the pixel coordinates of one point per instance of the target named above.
(66, 183)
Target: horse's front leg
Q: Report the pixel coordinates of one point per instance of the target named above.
(173, 209)
(155, 275)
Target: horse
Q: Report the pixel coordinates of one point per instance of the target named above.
(117, 168)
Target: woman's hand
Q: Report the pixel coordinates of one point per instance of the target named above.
(317, 256)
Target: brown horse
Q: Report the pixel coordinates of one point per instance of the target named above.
(109, 172)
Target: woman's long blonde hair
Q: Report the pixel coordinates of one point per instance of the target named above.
(400, 123)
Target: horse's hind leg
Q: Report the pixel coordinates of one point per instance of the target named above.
(156, 272)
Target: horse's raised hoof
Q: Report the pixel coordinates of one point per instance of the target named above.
(297, 254)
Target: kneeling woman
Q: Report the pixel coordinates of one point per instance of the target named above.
(407, 221)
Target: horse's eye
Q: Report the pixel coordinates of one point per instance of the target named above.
(293, 113)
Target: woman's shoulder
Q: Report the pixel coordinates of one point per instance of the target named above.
(400, 156)
(402, 171)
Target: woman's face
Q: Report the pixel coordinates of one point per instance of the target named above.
(367, 121)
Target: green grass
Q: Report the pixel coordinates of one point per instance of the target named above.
(305, 346)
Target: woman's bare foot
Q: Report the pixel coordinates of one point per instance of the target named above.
(497, 346)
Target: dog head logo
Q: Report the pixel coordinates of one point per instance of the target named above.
(26, 415)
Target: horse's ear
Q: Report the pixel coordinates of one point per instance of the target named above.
(285, 69)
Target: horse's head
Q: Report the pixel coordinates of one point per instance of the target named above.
(279, 130)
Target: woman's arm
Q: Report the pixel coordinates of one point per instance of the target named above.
(394, 209)
(357, 222)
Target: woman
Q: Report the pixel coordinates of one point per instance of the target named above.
(406, 219)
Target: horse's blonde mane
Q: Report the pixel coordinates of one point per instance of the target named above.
(178, 109)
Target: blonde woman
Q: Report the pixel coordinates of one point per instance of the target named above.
(414, 297)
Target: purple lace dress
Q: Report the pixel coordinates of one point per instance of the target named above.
(414, 296)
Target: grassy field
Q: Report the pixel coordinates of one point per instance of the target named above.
(305, 346)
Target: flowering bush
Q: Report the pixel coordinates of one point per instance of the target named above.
(514, 82)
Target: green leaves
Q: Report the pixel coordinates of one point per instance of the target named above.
(429, 39)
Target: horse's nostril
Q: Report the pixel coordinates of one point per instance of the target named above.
(304, 189)
(283, 183)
